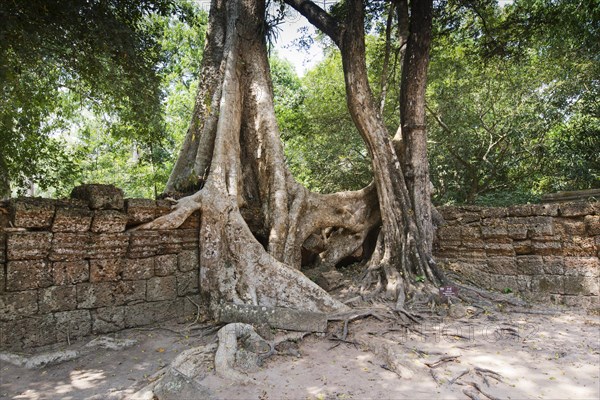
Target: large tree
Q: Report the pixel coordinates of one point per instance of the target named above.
(255, 217)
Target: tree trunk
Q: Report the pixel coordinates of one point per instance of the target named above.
(254, 217)
(4, 179)
(412, 114)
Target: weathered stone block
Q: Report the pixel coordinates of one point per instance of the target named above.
(149, 313)
(548, 284)
(106, 270)
(576, 209)
(517, 231)
(57, 298)
(109, 245)
(550, 210)
(70, 246)
(187, 283)
(502, 265)
(163, 207)
(108, 319)
(446, 233)
(161, 288)
(28, 332)
(138, 268)
(553, 265)
(28, 245)
(582, 285)
(31, 212)
(72, 324)
(539, 226)
(108, 221)
(499, 248)
(104, 294)
(585, 302)
(522, 210)
(30, 274)
(143, 244)
(592, 224)
(165, 265)
(523, 247)
(470, 232)
(70, 272)
(547, 248)
(498, 230)
(471, 255)
(72, 219)
(188, 260)
(275, 317)
(530, 265)
(140, 211)
(99, 196)
(15, 305)
(494, 212)
(579, 246)
(175, 241)
(473, 243)
(468, 217)
(582, 266)
(566, 227)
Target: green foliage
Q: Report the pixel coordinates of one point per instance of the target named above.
(78, 76)
(322, 147)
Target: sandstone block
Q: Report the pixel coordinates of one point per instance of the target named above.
(546, 248)
(499, 249)
(550, 210)
(449, 233)
(498, 230)
(72, 324)
(149, 313)
(109, 245)
(108, 319)
(576, 209)
(192, 222)
(582, 285)
(175, 241)
(165, 265)
(138, 268)
(569, 227)
(585, 302)
(143, 244)
(14, 305)
(57, 298)
(28, 245)
(30, 274)
(494, 212)
(108, 221)
(470, 232)
(28, 332)
(188, 283)
(2, 278)
(502, 265)
(188, 260)
(31, 212)
(530, 265)
(553, 265)
(522, 210)
(2, 247)
(578, 246)
(70, 272)
(72, 219)
(99, 196)
(517, 231)
(104, 294)
(548, 284)
(582, 266)
(539, 226)
(592, 224)
(70, 246)
(106, 270)
(140, 211)
(523, 247)
(161, 288)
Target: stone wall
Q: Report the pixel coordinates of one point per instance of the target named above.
(69, 268)
(546, 252)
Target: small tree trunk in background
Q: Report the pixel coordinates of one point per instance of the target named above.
(4, 179)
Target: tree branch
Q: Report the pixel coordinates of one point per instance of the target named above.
(319, 18)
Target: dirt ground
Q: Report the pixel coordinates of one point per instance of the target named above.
(493, 354)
